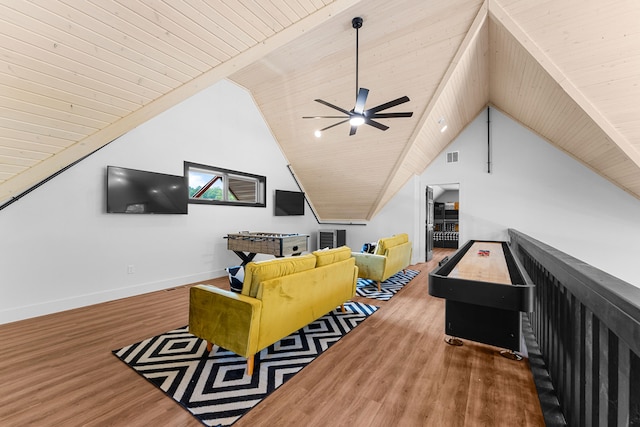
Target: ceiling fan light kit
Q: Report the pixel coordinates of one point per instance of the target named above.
(356, 120)
(358, 115)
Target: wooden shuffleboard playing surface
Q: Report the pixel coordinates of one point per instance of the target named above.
(484, 261)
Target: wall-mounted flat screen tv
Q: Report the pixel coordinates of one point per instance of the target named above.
(289, 203)
(134, 191)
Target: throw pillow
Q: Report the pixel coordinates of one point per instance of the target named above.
(236, 277)
(369, 248)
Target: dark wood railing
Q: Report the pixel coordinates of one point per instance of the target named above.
(587, 326)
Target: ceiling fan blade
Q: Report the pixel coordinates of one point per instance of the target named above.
(333, 125)
(325, 117)
(386, 105)
(335, 107)
(390, 115)
(360, 100)
(376, 124)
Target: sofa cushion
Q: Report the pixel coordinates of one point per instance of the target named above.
(389, 242)
(329, 256)
(256, 272)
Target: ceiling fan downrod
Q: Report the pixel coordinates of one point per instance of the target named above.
(357, 24)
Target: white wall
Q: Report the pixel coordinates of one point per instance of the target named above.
(539, 190)
(400, 215)
(60, 250)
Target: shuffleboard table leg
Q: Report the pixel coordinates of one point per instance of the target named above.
(510, 354)
(453, 341)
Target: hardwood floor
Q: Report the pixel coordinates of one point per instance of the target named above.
(394, 369)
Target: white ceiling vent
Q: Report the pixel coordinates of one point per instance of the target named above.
(452, 157)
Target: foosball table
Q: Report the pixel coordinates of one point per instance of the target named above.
(247, 244)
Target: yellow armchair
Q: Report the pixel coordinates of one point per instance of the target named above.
(392, 255)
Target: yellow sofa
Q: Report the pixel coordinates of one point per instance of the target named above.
(392, 254)
(278, 297)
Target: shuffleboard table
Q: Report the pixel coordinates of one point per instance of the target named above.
(486, 289)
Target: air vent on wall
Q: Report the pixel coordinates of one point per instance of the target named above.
(452, 157)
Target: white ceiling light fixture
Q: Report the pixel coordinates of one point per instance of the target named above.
(443, 124)
(318, 133)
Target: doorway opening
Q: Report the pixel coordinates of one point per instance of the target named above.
(443, 217)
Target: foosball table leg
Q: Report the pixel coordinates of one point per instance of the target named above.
(246, 258)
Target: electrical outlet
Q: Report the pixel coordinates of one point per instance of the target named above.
(131, 269)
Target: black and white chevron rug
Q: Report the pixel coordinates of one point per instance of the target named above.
(388, 288)
(214, 387)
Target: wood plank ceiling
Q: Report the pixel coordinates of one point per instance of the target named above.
(76, 74)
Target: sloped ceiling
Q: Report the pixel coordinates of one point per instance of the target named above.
(76, 74)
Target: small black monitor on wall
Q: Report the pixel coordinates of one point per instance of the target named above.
(133, 191)
(289, 203)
